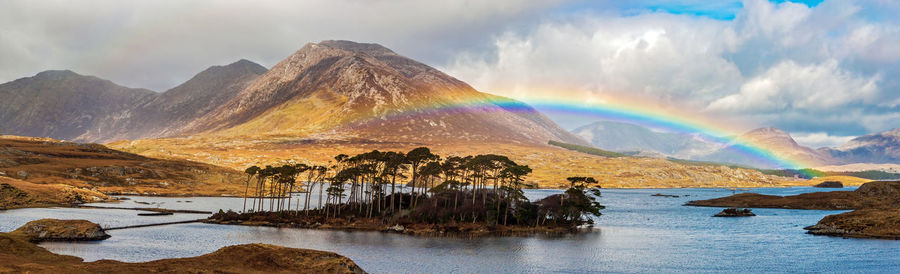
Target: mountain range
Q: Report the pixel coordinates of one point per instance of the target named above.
(65, 105)
(341, 88)
(346, 96)
(878, 148)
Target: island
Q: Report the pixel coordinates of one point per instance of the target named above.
(875, 206)
(470, 196)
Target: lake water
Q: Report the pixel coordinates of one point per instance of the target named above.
(637, 233)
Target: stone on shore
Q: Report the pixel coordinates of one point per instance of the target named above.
(61, 230)
(735, 212)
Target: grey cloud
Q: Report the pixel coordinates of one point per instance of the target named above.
(158, 44)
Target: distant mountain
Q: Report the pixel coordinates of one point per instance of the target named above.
(877, 148)
(355, 90)
(778, 141)
(626, 137)
(66, 105)
(166, 113)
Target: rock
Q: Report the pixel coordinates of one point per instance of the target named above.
(735, 212)
(396, 228)
(879, 223)
(665, 195)
(61, 230)
(830, 184)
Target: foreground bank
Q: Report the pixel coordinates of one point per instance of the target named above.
(19, 254)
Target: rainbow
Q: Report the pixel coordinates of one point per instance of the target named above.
(636, 113)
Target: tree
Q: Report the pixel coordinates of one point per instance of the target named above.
(251, 171)
(416, 158)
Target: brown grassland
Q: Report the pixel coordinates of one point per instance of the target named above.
(551, 165)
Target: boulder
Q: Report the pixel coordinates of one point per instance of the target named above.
(830, 184)
(61, 230)
(735, 212)
(395, 228)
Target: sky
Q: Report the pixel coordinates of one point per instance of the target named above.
(825, 71)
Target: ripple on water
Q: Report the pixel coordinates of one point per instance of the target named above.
(637, 233)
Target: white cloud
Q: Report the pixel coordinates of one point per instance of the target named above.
(821, 139)
(785, 65)
(790, 86)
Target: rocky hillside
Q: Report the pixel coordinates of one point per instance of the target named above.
(95, 167)
(66, 105)
(775, 140)
(878, 148)
(355, 90)
(167, 112)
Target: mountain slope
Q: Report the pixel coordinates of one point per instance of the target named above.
(66, 105)
(355, 90)
(878, 148)
(623, 137)
(165, 113)
(778, 141)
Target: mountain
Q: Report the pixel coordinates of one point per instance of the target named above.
(778, 141)
(346, 89)
(66, 105)
(877, 148)
(625, 137)
(164, 114)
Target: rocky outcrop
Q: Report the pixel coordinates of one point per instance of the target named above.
(61, 230)
(735, 212)
(881, 223)
(869, 195)
(830, 184)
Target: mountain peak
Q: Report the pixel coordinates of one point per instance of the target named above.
(247, 64)
(767, 131)
(366, 48)
(56, 74)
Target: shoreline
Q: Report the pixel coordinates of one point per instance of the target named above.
(455, 230)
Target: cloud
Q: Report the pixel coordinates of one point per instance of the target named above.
(159, 44)
(832, 68)
(789, 86)
(821, 139)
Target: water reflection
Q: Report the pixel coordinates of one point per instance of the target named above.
(638, 233)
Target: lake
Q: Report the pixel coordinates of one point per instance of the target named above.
(637, 233)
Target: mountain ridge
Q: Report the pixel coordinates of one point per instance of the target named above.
(356, 89)
(62, 104)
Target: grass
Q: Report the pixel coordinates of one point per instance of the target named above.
(587, 150)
